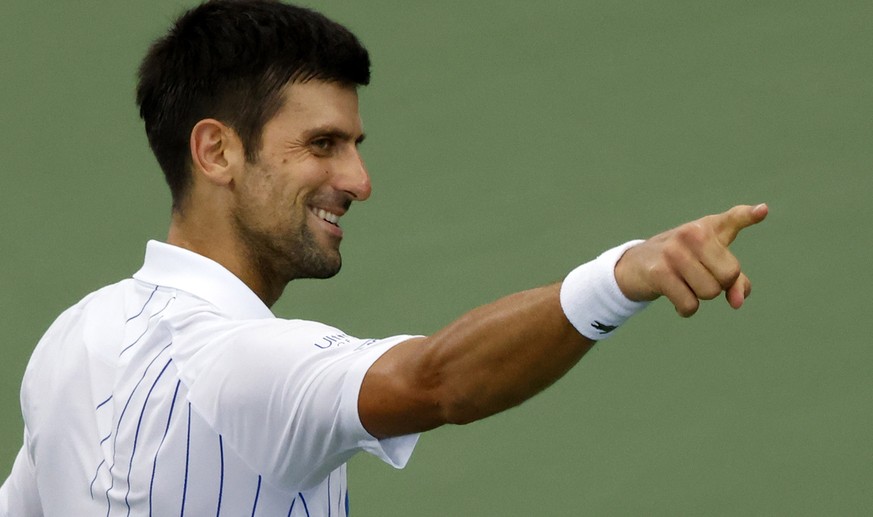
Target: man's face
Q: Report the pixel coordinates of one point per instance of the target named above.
(307, 173)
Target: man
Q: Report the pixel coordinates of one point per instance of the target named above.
(177, 391)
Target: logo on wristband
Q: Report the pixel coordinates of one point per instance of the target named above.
(603, 328)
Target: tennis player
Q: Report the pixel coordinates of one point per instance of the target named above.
(178, 392)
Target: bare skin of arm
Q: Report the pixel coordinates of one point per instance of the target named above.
(499, 355)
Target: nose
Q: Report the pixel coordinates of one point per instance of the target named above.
(353, 177)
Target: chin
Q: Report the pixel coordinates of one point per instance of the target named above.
(327, 272)
(325, 265)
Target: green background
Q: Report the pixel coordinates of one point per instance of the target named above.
(509, 141)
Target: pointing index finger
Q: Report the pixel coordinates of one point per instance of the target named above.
(729, 224)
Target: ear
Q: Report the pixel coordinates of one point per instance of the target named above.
(216, 151)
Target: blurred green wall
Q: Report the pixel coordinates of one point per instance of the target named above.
(509, 141)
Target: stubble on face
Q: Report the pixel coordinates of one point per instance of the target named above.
(287, 202)
(277, 238)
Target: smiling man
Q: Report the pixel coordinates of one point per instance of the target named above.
(276, 218)
(178, 391)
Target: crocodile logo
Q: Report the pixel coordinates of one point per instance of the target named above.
(603, 328)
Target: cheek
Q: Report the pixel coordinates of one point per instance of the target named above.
(261, 186)
(284, 187)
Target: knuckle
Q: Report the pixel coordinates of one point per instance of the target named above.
(687, 308)
(730, 275)
(693, 233)
(710, 291)
(675, 255)
(659, 270)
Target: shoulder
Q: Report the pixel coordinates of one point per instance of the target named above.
(100, 305)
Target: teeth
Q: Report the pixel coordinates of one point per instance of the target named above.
(327, 216)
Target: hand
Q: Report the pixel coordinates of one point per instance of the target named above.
(691, 262)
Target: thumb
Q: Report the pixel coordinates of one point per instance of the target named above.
(728, 224)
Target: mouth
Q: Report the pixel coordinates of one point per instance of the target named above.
(323, 214)
(328, 217)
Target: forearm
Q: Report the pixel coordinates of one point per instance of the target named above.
(501, 354)
(490, 359)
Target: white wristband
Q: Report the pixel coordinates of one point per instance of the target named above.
(591, 298)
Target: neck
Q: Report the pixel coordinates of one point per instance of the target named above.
(222, 246)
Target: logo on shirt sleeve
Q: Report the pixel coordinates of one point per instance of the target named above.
(332, 340)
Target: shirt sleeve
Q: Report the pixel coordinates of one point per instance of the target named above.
(19, 496)
(284, 395)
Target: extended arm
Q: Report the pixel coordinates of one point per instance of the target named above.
(490, 359)
(500, 354)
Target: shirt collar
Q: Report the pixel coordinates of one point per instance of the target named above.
(182, 269)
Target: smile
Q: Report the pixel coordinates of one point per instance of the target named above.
(325, 215)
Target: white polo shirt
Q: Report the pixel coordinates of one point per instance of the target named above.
(177, 392)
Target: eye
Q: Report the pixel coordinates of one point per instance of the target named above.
(323, 145)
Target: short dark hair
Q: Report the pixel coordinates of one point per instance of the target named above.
(230, 60)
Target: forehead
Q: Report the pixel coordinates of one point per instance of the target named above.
(318, 104)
